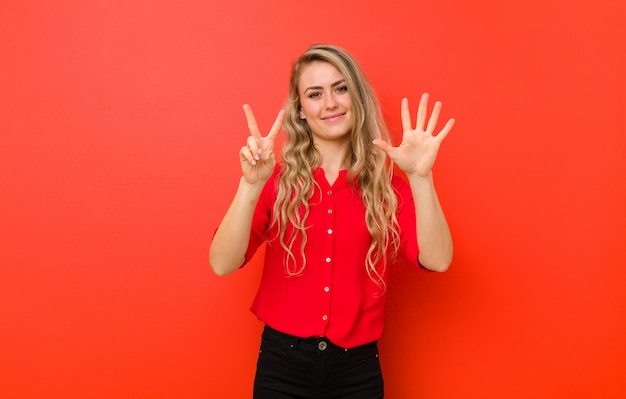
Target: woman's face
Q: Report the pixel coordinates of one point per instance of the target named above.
(325, 102)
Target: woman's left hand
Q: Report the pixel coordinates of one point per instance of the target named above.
(417, 153)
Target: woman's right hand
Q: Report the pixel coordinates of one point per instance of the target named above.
(257, 157)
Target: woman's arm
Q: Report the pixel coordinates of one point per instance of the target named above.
(416, 156)
(433, 234)
(229, 245)
(230, 242)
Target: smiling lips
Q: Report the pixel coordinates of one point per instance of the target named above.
(333, 116)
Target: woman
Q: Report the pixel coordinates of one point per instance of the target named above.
(333, 216)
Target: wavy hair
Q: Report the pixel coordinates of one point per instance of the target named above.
(372, 170)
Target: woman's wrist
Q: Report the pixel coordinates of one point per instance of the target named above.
(420, 179)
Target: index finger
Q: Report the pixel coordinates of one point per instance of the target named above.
(278, 124)
(252, 125)
(405, 114)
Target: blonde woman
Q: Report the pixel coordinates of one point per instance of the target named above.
(333, 216)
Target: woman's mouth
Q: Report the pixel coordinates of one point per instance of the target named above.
(333, 117)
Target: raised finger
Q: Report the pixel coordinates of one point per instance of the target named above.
(252, 144)
(252, 125)
(405, 114)
(434, 118)
(278, 124)
(446, 129)
(421, 112)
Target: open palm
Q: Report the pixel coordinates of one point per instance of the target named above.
(418, 150)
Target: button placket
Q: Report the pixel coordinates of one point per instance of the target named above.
(329, 248)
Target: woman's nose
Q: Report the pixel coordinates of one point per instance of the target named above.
(330, 101)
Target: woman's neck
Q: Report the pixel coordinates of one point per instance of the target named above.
(334, 158)
(332, 166)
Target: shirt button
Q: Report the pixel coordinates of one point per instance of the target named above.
(326, 289)
(329, 192)
(324, 317)
(330, 231)
(322, 346)
(327, 260)
(330, 211)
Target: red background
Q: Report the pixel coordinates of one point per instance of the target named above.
(120, 123)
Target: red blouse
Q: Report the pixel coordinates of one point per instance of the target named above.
(334, 297)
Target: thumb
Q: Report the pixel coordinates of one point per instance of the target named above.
(388, 149)
(266, 155)
(383, 145)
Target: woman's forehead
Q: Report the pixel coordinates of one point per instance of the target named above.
(319, 73)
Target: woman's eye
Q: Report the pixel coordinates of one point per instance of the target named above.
(314, 94)
(342, 88)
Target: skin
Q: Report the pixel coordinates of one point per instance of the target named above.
(326, 105)
(228, 248)
(327, 108)
(416, 156)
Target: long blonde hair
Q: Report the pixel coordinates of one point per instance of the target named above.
(371, 168)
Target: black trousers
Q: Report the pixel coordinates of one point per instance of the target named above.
(314, 368)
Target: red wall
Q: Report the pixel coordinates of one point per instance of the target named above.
(120, 123)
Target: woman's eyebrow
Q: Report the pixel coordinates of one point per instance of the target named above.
(320, 87)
